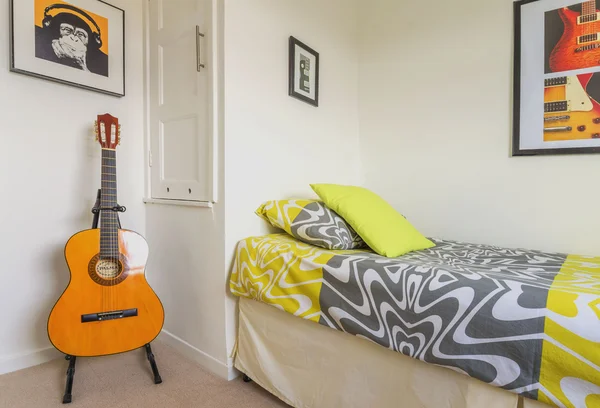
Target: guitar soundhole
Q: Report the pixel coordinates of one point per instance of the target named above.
(107, 271)
(108, 268)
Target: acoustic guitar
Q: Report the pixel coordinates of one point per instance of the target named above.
(570, 113)
(579, 45)
(108, 306)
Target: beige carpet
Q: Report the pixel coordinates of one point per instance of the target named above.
(125, 380)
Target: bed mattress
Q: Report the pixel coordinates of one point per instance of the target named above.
(525, 321)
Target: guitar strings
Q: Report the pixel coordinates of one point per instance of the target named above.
(584, 12)
(115, 226)
(108, 223)
(103, 223)
(109, 256)
(592, 11)
(107, 215)
(111, 230)
(587, 13)
(112, 225)
(115, 217)
(590, 25)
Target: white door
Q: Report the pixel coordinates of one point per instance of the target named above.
(180, 99)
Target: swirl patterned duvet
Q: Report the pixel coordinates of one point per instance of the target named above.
(525, 321)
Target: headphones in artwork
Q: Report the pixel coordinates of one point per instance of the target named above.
(48, 20)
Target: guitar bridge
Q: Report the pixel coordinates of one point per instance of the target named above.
(117, 314)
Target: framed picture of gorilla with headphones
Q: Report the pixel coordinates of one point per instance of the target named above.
(79, 43)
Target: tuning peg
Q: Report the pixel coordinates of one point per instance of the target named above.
(119, 135)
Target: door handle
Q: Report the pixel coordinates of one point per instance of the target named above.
(199, 39)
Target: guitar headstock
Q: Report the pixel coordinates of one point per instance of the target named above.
(108, 131)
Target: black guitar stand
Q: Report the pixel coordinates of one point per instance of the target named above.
(72, 359)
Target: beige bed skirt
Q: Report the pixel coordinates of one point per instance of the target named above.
(311, 366)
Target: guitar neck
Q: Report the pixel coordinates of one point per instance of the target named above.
(109, 222)
(588, 7)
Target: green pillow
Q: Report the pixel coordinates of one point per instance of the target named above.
(385, 230)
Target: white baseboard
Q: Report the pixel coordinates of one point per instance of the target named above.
(29, 359)
(225, 371)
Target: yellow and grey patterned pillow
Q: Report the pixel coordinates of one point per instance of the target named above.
(312, 222)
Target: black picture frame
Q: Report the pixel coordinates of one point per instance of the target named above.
(14, 68)
(294, 65)
(516, 149)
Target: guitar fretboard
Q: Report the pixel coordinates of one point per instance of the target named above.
(109, 224)
(588, 11)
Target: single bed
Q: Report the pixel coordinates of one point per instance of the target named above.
(454, 325)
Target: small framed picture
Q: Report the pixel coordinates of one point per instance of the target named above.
(304, 72)
(74, 42)
(556, 78)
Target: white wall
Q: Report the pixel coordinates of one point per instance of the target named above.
(187, 253)
(189, 277)
(435, 128)
(276, 145)
(49, 174)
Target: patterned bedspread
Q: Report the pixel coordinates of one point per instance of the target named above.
(526, 321)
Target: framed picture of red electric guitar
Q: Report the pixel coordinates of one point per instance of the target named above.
(556, 106)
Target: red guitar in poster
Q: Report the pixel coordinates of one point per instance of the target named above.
(579, 45)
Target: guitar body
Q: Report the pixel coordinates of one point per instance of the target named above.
(108, 306)
(583, 113)
(89, 294)
(564, 56)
